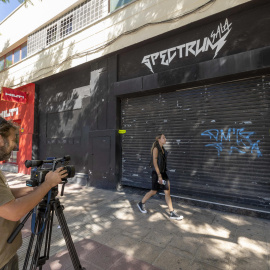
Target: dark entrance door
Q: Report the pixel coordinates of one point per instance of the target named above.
(100, 162)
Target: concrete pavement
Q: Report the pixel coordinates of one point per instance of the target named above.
(109, 232)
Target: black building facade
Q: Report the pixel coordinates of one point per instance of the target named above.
(205, 86)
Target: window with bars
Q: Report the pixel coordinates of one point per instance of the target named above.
(77, 18)
(83, 15)
(51, 34)
(66, 26)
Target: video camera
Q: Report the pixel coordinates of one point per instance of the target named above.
(38, 174)
(43, 213)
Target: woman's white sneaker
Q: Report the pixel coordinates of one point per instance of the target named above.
(141, 207)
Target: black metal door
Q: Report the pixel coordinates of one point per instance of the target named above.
(100, 161)
(218, 138)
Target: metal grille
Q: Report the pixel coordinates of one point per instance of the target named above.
(217, 137)
(79, 17)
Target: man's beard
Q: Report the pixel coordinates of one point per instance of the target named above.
(4, 155)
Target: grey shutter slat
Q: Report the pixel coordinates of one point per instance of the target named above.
(236, 174)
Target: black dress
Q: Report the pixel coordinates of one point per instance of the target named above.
(162, 165)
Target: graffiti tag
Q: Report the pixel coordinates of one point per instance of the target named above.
(241, 138)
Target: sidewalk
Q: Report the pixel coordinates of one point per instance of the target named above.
(109, 232)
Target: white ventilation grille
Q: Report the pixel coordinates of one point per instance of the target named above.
(79, 17)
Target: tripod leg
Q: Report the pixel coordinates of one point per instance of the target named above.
(66, 233)
(49, 235)
(45, 217)
(38, 225)
(28, 253)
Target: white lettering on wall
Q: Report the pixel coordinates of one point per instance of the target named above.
(215, 42)
(13, 95)
(9, 112)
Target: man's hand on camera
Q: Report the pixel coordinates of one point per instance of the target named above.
(55, 178)
(18, 207)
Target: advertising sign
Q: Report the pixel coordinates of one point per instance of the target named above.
(14, 95)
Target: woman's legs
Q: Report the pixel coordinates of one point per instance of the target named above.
(168, 198)
(148, 195)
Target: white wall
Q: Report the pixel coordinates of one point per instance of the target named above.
(25, 20)
(83, 46)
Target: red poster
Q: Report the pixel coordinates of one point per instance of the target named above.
(14, 95)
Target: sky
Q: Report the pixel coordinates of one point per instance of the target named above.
(7, 8)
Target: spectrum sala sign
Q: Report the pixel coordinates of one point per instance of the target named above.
(216, 41)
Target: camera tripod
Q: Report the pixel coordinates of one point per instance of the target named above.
(43, 228)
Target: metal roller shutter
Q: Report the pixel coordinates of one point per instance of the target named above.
(218, 139)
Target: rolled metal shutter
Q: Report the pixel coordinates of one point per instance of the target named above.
(218, 139)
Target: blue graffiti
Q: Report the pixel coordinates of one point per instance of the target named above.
(243, 143)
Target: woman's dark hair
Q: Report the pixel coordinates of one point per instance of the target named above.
(6, 126)
(158, 137)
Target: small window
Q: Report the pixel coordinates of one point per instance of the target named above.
(115, 4)
(2, 61)
(13, 56)
(51, 34)
(66, 26)
(17, 53)
(24, 51)
(8, 60)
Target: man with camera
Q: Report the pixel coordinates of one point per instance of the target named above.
(17, 202)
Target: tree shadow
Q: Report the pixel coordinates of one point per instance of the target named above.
(6, 44)
(204, 238)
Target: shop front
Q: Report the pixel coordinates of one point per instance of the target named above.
(207, 88)
(205, 85)
(18, 105)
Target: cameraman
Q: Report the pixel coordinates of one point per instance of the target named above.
(17, 202)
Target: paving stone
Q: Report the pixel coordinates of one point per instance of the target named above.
(247, 220)
(227, 217)
(147, 252)
(60, 261)
(160, 239)
(136, 231)
(110, 232)
(127, 262)
(124, 244)
(203, 266)
(170, 261)
(185, 246)
(218, 231)
(215, 254)
(195, 227)
(98, 254)
(254, 233)
(200, 218)
(87, 265)
(250, 252)
(259, 247)
(228, 223)
(249, 263)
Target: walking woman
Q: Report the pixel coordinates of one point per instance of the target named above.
(160, 180)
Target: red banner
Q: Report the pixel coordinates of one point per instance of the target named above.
(13, 95)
